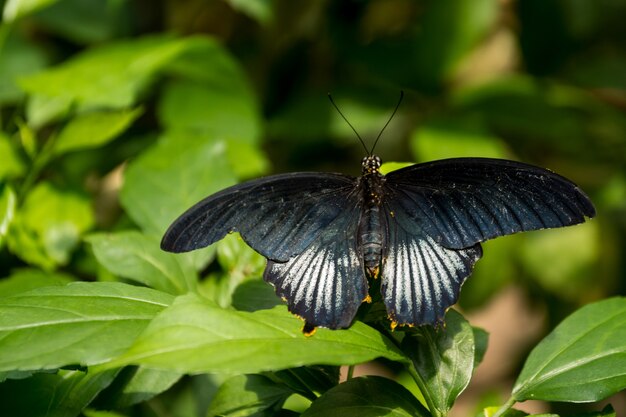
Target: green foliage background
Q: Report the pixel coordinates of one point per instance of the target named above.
(117, 115)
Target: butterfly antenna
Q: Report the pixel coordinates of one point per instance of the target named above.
(391, 117)
(349, 124)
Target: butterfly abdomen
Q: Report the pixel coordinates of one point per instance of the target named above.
(371, 237)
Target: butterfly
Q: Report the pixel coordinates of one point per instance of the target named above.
(418, 229)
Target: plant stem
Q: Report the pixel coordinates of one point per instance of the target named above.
(350, 372)
(505, 407)
(422, 387)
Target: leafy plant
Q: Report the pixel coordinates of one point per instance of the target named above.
(101, 149)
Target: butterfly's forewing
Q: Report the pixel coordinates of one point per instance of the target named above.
(278, 216)
(420, 278)
(326, 283)
(460, 202)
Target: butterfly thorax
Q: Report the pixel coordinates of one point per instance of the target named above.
(371, 237)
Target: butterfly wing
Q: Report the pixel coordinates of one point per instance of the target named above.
(420, 278)
(460, 202)
(326, 283)
(278, 216)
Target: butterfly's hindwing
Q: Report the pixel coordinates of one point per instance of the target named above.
(420, 278)
(325, 284)
(460, 202)
(278, 216)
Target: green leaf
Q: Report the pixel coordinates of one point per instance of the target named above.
(138, 257)
(583, 359)
(195, 336)
(80, 323)
(94, 129)
(443, 359)
(49, 225)
(481, 340)
(309, 381)
(245, 395)
(260, 10)
(8, 202)
(15, 9)
(170, 177)
(24, 280)
(12, 165)
(253, 295)
(134, 385)
(64, 394)
(110, 76)
(370, 396)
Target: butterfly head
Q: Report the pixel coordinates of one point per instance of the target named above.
(371, 164)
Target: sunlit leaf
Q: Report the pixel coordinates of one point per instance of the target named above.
(196, 335)
(49, 225)
(583, 359)
(110, 76)
(138, 257)
(94, 129)
(80, 323)
(17, 58)
(369, 396)
(170, 177)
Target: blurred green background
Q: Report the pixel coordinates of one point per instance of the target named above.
(120, 114)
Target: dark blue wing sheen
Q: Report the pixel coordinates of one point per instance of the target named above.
(460, 202)
(278, 216)
(420, 278)
(326, 283)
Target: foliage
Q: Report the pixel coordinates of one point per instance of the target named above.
(116, 116)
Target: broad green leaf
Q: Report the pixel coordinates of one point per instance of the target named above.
(451, 138)
(15, 9)
(443, 359)
(238, 259)
(511, 412)
(195, 336)
(246, 159)
(134, 385)
(64, 394)
(8, 201)
(583, 359)
(245, 395)
(170, 177)
(80, 323)
(260, 10)
(111, 76)
(388, 167)
(49, 225)
(369, 396)
(138, 257)
(23, 280)
(12, 165)
(481, 340)
(94, 129)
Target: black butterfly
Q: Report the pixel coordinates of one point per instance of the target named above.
(419, 228)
